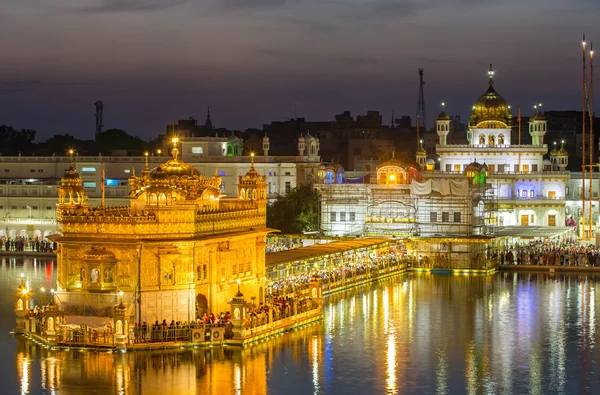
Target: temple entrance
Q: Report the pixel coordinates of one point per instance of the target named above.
(551, 220)
(525, 220)
(201, 305)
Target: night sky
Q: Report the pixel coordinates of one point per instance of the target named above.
(155, 61)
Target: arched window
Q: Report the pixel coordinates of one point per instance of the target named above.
(481, 139)
(491, 139)
(500, 139)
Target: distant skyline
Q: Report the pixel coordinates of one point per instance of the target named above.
(153, 62)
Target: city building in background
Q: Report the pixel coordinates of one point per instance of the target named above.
(29, 184)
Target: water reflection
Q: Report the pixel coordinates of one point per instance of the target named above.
(509, 333)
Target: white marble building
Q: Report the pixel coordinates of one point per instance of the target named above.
(526, 189)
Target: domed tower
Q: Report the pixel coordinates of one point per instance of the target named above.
(443, 126)
(301, 145)
(312, 145)
(562, 157)
(252, 186)
(537, 128)
(71, 191)
(421, 155)
(553, 157)
(266, 144)
(490, 112)
(168, 182)
(476, 172)
(234, 145)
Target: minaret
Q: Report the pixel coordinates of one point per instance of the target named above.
(538, 126)
(301, 145)
(443, 126)
(421, 155)
(266, 144)
(562, 157)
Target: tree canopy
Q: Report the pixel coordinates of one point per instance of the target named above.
(297, 212)
(15, 141)
(117, 139)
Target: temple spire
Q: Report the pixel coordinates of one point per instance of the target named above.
(175, 150)
(491, 73)
(208, 123)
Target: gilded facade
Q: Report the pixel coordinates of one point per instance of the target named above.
(177, 250)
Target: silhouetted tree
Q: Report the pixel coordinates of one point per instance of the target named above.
(117, 139)
(13, 141)
(296, 212)
(61, 143)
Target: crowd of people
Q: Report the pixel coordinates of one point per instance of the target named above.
(274, 309)
(344, 271)
(22, 243)
(551, 253)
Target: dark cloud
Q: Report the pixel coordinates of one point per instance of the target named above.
(20, 84)
(130, 5)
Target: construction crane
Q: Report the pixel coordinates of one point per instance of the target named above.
(421, 116)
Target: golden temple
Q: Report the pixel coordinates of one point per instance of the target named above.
(178, 250)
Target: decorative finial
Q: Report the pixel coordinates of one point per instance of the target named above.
(491, 73)
(562, 144)
(252, 160)
(443, 106)
(216, 170)
(175, 151)
(146, 155)
(591, 50)
(393, 154)
(583, 43)
(132, 171)
(71, 153)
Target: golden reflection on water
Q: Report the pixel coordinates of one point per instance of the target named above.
(507, 333)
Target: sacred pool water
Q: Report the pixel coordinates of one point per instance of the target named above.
(413, 334)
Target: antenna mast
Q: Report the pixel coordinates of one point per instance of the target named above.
(421, 102)
(99, 110)
(583, 108)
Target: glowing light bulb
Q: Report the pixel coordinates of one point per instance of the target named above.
(175, 140)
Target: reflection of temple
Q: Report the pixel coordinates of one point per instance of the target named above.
(177, 250)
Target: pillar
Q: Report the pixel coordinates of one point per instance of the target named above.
(120, 325)
(51, 319)
(22, 307)
(316, 289)
(238, 315)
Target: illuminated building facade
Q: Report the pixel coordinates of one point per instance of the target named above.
(29, 184)
(178, 249)
(524, 188)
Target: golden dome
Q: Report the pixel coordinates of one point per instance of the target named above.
(554, 152)
(252, 176)
(71, 177)
(173, 167)
(475, 167)
(443, 116)
(562, 152)
(491, 110)
(538, 117)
